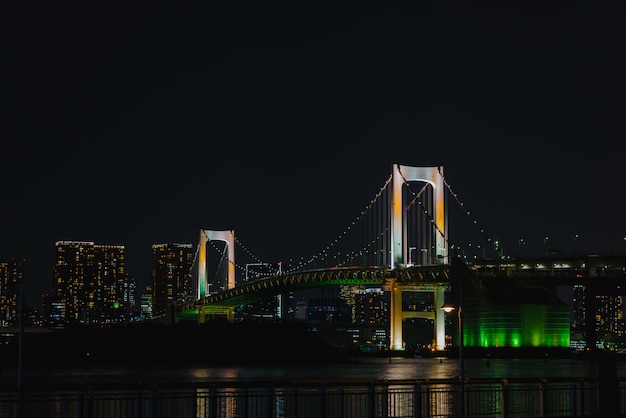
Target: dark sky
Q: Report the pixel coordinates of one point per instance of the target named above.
(143, 122)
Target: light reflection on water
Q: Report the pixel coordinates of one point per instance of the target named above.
(397, 399)
(395, 368)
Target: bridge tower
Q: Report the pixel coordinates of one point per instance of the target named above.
(227, 236)
(399, 254)
(434, 177)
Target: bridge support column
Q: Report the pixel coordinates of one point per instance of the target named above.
(230, 315)
(440, 318)
(395, 321)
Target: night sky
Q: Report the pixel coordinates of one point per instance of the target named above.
(143, 122)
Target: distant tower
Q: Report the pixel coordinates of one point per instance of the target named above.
(171, 276)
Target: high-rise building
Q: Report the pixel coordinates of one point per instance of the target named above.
(607, 320)
(371, 307)
(171, 276)
(91, 286)
(145, 310)
(11, 280)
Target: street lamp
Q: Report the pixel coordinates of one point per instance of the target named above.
(447, 307)
(411, 255)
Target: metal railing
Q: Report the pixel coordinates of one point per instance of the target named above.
(510, 398)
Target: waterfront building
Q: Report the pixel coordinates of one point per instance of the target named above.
(607, 317)
(371, 307)
(501, 313)
(11, 279)
(172, 265)
(363, 324)
(90, 285)
(145, 309)
(326, 304)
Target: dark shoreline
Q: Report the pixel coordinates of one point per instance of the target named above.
(251, 343)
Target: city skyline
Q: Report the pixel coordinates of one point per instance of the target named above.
(144, 125)
(33, 294)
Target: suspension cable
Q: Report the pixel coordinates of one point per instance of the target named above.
(472, 219)
(324, 253)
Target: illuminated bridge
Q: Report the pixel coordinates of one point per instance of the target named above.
(400, 243)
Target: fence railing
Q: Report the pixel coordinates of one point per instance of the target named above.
(497, 398)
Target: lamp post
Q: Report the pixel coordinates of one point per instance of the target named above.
(411, 255)
(449, 308)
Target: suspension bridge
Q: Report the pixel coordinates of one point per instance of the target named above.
(399, 243)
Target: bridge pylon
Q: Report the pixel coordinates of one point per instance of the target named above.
(399, 246)
(206, 235)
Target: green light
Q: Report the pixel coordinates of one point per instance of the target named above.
(516, 341)
(523, 325)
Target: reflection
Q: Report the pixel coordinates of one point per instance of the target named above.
(401, 368)
(204, 374)
(239, 373)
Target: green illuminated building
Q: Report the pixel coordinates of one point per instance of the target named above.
(501, 312)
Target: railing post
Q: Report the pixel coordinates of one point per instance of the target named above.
(138, 403)
(213, 401)
(543, 397)
(321, 399)
(295, 407)
(580, 398)
(342, 401)
(417, 400)
(609, 385)
(86, 404)
(463, 398)
(504, 398)
(371, 401)
(245, 404)
(384, 401)
(270, 401)
(193, 402)
(151, 400)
